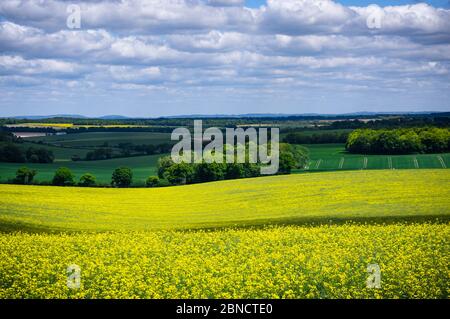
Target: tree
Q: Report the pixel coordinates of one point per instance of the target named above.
(122, 177)
(87, 180)
(99, 154)
(63, 177)
(152, 181)
(287, 163)
(179, 174)
(234, 171)
(11, 153)
(163, 165)
(24, 175)
(208, 172)
(40, 155)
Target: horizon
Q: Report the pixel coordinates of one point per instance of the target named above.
(218, 115)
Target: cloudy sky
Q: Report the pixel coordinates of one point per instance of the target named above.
(166, 57)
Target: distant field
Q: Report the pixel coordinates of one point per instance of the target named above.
(97, 139)
(329, 157)
(71, 125)
(143, 167)
(61, 154)
(290, 199)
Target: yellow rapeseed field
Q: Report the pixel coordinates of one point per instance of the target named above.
(353, 195)
(278, 262)
(163, 243)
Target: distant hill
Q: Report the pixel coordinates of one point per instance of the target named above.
(206, 116)
(113, 117)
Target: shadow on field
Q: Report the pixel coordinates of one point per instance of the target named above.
(12, 227)
(320, 221)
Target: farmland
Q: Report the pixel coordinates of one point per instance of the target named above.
(143, 167)
(293, 199)
(287, 236)
(277, 262)
(296, 236)
(323, 157)
(331, 157)
(98, 139)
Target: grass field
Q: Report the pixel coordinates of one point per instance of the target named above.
(311, 236)
(330, 157)
(358, 195)
(143, 167)
(323, 157)
(97, 139)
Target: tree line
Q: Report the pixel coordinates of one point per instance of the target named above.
(316, 138)
(11, 152)
(290, 157)
(125, 150)
(171, 173)
(399, 141)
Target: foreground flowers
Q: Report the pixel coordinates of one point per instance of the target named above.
(275, 262)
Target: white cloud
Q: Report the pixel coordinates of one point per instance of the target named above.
(190, 46)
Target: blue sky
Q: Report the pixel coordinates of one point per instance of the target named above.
(220, 57)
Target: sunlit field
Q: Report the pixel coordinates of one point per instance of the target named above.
(277, 262)
(383, 195)
(296, 236)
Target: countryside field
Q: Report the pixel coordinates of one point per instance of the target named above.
(329, 157)
(142, 166)
(97, 139)
(276, 262)
(323, 157)
(357, 195)
(164, 243)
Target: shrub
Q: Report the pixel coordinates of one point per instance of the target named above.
(163, 165)
(179, 174)
(63, 177)
(87, 180)
(152, 181)
(24, 175)
(122, 177)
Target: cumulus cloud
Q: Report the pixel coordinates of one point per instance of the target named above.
(286, 48)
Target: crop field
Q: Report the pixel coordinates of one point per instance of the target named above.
(296, 236)
(61, 154)
(74, 126)
(383, 195)
(98, 139)
(331, 157)
(276, 262)
(142, 166)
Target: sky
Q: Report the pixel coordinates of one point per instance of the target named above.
(149, 58)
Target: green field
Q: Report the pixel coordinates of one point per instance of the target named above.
(97, 139)
(330, 157)
(143, 167)
(323, 157)
(62, 154)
